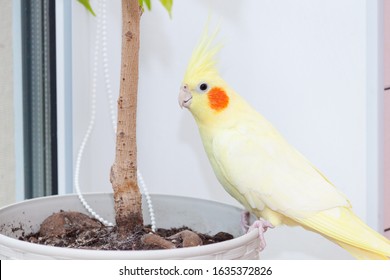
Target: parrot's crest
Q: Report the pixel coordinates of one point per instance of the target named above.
(203, 61)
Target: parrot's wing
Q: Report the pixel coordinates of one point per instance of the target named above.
(267, 171)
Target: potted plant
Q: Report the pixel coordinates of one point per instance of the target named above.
(25, 217)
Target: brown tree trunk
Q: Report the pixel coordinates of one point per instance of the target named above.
(123, 175)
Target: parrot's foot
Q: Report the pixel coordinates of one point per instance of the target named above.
(261, 224)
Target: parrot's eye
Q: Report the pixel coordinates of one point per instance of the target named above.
(203, 86)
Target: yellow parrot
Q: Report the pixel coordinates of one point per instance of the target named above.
(257, 166)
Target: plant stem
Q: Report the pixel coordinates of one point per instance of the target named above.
(127, 196)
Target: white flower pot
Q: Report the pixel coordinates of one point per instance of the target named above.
(170, 211)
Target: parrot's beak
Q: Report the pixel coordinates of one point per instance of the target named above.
(185, 97)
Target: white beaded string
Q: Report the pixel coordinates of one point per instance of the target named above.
(102, 38)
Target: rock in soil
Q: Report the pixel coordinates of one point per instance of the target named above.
(157, 241)
(60, 223)
(187, 238)
(77, 230)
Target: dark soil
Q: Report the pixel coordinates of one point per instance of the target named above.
(77, 230)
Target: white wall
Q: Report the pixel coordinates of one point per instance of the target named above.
(302, 64)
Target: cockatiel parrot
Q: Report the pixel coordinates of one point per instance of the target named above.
(256, 165)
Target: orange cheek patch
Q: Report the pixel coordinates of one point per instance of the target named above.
(218, 99)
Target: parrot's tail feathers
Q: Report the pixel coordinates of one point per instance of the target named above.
(343, 227)
(361, 254)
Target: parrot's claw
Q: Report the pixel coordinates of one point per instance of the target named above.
(261, 224)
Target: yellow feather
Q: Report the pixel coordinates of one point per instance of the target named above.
(359, 253)
(342, 226)
(203, 60)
